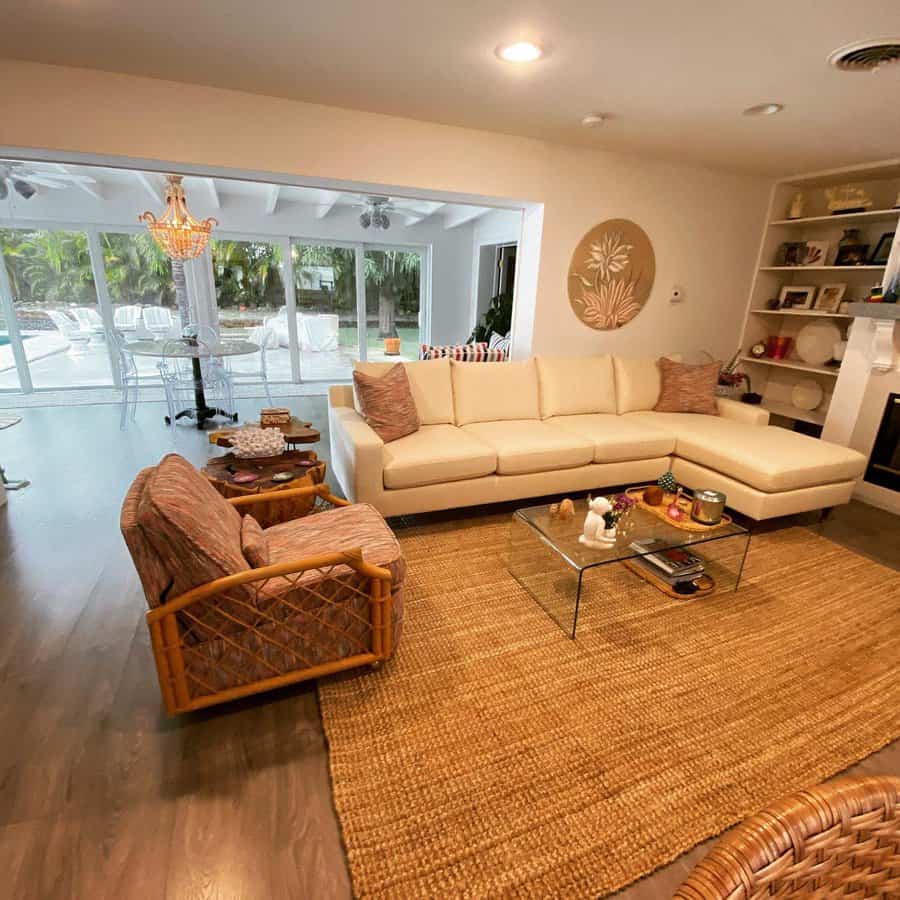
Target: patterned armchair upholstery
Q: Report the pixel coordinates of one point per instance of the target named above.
(330, 597)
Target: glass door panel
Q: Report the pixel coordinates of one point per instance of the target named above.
(56, 307)
(141, 290)
(250, 297)
(393, 303)
(9, 373)
(327, 322)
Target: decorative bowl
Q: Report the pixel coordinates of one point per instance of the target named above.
(256, 443)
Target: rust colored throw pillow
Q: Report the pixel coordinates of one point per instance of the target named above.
(254, 543)
(387, 403)
(688, 389)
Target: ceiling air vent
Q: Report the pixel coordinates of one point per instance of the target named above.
(866, 56)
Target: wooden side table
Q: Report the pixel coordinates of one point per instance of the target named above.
(306, 467)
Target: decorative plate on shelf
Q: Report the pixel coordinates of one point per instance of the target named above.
(807, 394)
(815, 342)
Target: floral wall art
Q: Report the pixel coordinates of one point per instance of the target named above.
(611, 274)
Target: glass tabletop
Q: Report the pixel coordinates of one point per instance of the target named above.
(182, 349)
(638, 524)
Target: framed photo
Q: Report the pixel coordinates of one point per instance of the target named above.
(816, 253)
(790, 253)
(796, 297)
(882, 249)
(829, 297)
(852, 255)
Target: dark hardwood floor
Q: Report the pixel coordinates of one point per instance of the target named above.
(103, 796)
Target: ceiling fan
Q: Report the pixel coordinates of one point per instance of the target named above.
(26, 178)
(374, 211)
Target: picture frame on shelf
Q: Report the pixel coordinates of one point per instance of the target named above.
(852, 255)
(882, 249)
(816, 253)
(790, 253)
(829, 297)
(794, 296)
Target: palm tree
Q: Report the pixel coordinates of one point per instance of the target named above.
(52, 266)
(395, 275)
(137, 270)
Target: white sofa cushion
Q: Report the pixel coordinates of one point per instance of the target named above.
(494, 392)
(575, 385)
(765, 457)
(429, 383)
(637, 384)
(617, 438)
(434, 454)
(532, 446)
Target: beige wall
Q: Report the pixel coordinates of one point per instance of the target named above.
(705, 226)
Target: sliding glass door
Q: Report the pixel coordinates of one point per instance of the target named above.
(394, 301)
(326, 296)
(58, 335)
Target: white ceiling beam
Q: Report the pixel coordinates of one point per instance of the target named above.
(329, 198)
(417, 216)
(272, 192)
(459, 215)
(153, 190)
(213, 193)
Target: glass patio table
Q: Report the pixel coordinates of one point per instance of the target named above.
(565, 577)
(190, 348)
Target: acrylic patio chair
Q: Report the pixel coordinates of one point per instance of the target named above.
(130, 377)
(840, 839)
(252, 368)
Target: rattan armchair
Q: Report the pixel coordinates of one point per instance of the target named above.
(323, 605)
(841, 839)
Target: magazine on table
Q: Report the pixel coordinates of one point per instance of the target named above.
(675, 562)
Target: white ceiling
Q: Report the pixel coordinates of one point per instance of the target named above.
(674, 75)
(213, 194)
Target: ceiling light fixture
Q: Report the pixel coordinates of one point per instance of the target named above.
(520, 52)
(764, 109)
(594, 120)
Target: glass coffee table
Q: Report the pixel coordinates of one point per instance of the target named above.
(564, 577)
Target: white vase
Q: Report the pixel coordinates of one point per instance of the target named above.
(609, 536)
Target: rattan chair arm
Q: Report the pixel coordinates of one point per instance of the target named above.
(352, 558)
(320, 490)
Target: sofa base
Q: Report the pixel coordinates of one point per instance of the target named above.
(501, 488)
(758, 504)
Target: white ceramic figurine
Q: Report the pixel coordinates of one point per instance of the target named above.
(595, 533)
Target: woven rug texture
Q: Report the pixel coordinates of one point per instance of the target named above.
(495, 757)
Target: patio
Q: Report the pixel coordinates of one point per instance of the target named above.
(57, 364)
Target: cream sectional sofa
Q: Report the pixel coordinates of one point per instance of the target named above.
(503, 431)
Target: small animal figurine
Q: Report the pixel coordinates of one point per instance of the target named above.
(554, 510)
(566, 510)
(594, 534)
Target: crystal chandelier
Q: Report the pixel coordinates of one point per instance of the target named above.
(177, 232)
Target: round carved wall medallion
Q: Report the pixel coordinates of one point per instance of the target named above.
(611, 274)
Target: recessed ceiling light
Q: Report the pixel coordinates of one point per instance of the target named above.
(764, 109)
(520, 52)
(594, 120)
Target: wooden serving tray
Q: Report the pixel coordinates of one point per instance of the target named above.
(666, 588)
(686, 524)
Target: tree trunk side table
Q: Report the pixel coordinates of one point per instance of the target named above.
(306, 467)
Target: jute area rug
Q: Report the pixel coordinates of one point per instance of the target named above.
(495, 757)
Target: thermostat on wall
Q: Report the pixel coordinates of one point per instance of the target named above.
(677, 294)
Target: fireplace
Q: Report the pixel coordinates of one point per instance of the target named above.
(884, 463)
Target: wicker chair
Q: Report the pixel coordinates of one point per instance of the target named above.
(325, 596)
(841, 839)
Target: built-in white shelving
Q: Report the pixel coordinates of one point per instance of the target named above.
(821, 268)
(809, 313)
(797, 364)
(861, 218)
(775, 379)
(813, 416)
